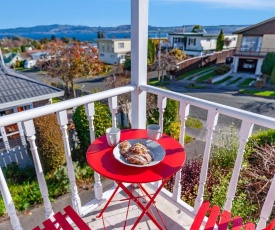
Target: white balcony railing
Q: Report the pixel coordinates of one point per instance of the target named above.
(213, 110)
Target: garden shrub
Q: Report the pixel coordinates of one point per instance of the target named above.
(272, 78)
(102, 121)
(223, 69)
(174, 131)
(268, 63)
(170, 114)
(49, 142)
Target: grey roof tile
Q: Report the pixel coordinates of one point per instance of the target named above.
(18, 87)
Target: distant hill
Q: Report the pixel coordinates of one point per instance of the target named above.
(69, 29)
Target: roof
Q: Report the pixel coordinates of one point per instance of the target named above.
(114, 39)
(9, 57)
(197, 34)
(18, 89)
(256, 26)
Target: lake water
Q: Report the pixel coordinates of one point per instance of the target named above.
(82, 37)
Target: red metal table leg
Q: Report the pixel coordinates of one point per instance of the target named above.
(144, 208)
(108, 202)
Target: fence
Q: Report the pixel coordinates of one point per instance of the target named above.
(199, 62)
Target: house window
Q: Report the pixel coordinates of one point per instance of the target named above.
(192, 41)
(101, 55)
(121, 45)
(103, 47)
(113, 56)
(208, 39)
(251, 44)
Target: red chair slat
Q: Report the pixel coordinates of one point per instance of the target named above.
(212, 219)
(61, 220)
(200, 216)
(249, 226)
(225, 219)
(237, 223)
(76, 218)
(49, 225)
(36, 228)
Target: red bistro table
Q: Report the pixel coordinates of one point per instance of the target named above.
(100, 157)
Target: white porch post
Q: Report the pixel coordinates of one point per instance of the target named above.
(62, 118)
(9, 203)
(21, 131)
(30, 133)
(139, 43)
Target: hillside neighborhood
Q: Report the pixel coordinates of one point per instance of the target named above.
(59, 95)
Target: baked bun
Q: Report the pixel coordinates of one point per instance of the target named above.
(138, 148)
(124, 147)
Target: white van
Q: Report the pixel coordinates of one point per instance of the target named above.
(29, 64)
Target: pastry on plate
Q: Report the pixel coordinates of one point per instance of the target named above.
(124, 147)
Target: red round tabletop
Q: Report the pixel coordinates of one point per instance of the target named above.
(100, 157)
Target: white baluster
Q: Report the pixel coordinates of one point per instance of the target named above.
(245, 132)
(9, 203)
(162, 102)
(90, 112)
(184, 112)
(30, 133)
(267, 207)
(22, 136)
(5, 139)
(113, 108)
(63, 121)
(212, 119)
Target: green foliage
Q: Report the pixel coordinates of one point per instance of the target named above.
(49, 142)
(272, 78)
(196, 27)
(170, 113)
(151, 52)
(65, 40)
(127, 64)
(14, 174)
(102, 121)
(23, 48)
(174, 131)
(223, 69)
(225, 152)
(268, 63)
(220, 41)
(25, 190)
(100, 34)
(193, 123)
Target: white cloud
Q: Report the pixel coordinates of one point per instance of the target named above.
(243, 4)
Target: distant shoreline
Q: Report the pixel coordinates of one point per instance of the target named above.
(79, 36)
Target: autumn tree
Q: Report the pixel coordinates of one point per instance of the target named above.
(220, 41)
(71, 62)
(151, 52)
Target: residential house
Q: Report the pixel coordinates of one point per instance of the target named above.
(113, 51)
(253, 44)
(18, 93)
(11, 58)
(199, 43)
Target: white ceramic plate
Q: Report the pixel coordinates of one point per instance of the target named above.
(155, 149)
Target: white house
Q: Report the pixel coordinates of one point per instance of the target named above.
(197, 44)
(113, 51)
(11, 58)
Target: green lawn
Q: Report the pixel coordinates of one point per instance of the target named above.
(236, 80)
(56, 99)
(223, 80)
(206, 76)
(193, 123)
(262, 93)
(246, 82)
(192, 72)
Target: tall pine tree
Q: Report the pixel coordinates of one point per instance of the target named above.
(220, 41)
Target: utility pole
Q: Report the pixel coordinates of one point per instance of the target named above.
(159, 57)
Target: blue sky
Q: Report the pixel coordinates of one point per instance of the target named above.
(26, 13)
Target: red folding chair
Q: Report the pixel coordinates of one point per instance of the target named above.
(221, 220)
(61, 221)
